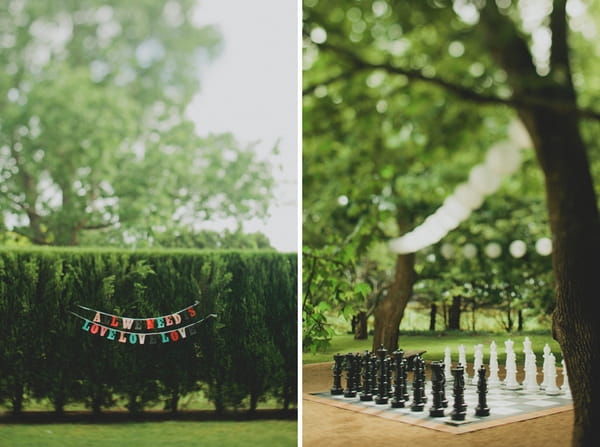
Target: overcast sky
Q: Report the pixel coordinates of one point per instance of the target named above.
(251, 90)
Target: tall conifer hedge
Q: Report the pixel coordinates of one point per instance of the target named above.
(247, 353)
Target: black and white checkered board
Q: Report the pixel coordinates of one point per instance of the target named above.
(505, 406)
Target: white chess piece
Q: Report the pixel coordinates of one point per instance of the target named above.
(448, 364)
(551, 388)
(493, 379)
(462, 359)
(510, 382)
(565, 388)
(526, 345)
(477, 363)
(544, 384)
(530, 381)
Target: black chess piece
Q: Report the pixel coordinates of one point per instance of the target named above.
(418, 385)
(460, 407)
(349, 391)
(382, 391)
(443, 398)
(398, 400)
(389, 369)
(437, 372)
(421, 364)
(405, 394)
(482, 409)
(367, 377)
(357, 373)
(337, 374)
(374, 368)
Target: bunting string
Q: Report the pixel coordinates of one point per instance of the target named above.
(148, 324)
(133, 338)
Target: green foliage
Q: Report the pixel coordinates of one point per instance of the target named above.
(249, 351)
(94, 136)
(396, 111)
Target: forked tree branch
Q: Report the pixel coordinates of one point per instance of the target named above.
(359, 63)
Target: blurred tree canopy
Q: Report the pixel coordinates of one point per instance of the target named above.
(95, 144)
(401, 98)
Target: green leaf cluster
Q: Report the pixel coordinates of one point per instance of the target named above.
(248, 351)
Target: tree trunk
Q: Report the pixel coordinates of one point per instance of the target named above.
(360, 326)
(575, 227)
(509, 320)
(390, 310)
(17, 399)
(570, 199)
(432, 316)
(454, 313)
(520, 320)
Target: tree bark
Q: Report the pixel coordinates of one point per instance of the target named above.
(454, 313)
(390, 310)
(520, 320)
(575, 227)
(360, 326)
(432, 316)
(509, 321)
(571, 202)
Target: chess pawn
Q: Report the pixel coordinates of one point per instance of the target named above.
(398, 400)
(447, 364)
(477, 363)
(462, 359)
(459, 411)
(418, 386)
(350, 390)
(357, 373)
(565, 385)
(389, 370)
(367, 378)
(382, 375)
(437, 389)
(482, 409)
(337, 374)
(493, 379)
(510, 382)
(530, 382)
(545, 367)
(551, 388)
(526, 345)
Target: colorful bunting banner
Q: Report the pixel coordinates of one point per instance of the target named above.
(146, 324)
(143, 330)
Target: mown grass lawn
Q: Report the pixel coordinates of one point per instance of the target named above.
(152, 434)
(434, 343)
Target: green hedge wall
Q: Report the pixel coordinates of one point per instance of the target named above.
(247, 353)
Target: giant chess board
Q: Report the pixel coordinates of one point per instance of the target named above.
(505, 406)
